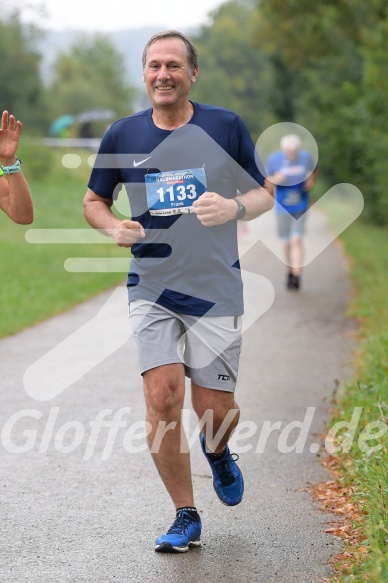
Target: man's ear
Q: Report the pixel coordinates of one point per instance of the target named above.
(194, 75)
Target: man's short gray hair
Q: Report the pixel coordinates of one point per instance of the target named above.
(290, 142)
(192, 55)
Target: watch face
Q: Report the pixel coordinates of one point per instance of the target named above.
(241, 210)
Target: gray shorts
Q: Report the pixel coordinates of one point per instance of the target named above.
(291, 224)
(208, 346)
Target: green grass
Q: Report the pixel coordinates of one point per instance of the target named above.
(367, 247)
(34, 283)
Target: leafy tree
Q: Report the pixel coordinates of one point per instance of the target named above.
(21, 91)
(337, 51)
(90, 75)
(233, 73)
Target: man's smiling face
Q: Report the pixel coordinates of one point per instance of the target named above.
(167, 73)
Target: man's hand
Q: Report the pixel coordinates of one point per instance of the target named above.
(310, 181)
(213, 209)
(127, 233)
(10, 131)
(277, 178)
(97, 211)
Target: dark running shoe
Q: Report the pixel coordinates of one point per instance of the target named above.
(185, 532)
(293, 281)
(227, 477)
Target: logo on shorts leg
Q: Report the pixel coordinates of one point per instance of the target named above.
(223, 377)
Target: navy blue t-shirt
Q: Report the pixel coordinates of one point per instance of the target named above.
(181, 264)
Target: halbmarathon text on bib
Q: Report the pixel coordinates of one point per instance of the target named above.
(171, 193)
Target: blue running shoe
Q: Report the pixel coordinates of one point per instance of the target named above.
(227, 477)
(184, 532)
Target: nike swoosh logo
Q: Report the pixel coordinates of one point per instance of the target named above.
(136, 164)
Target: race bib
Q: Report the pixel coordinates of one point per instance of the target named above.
(172, 193)
(292, 198)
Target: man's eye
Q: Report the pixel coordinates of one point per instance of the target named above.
(153, 67)
(173, 67)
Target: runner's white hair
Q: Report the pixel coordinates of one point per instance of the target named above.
(290, 142)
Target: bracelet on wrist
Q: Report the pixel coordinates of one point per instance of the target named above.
(13, 168)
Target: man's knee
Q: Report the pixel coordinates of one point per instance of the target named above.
(163, 396)
(160, 400)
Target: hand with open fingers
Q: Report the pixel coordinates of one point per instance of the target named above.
(10, 131)
(128, 233)
(213, 209)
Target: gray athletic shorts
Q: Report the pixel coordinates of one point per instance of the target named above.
(291, 224)
(209, 347)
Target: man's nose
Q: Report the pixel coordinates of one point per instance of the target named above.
(164, 73)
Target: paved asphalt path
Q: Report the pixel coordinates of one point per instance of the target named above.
(67, 519)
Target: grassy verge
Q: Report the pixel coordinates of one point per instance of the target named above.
(367, 471)
(34, 283)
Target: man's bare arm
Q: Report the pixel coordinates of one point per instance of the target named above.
(15, 197)
(98, 213)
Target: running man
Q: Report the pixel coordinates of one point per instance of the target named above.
(293, 172)
(15, 198)
(182, 164)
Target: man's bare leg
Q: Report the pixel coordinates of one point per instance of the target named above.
(228, 481)
(287, 254)
(220, 403)
(164, 389)
(296, 255)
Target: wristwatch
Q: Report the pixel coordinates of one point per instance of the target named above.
(241, 210)
(13, 168)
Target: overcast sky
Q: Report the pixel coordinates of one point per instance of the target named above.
(94, 15)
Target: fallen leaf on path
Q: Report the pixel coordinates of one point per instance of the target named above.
(334, 497)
